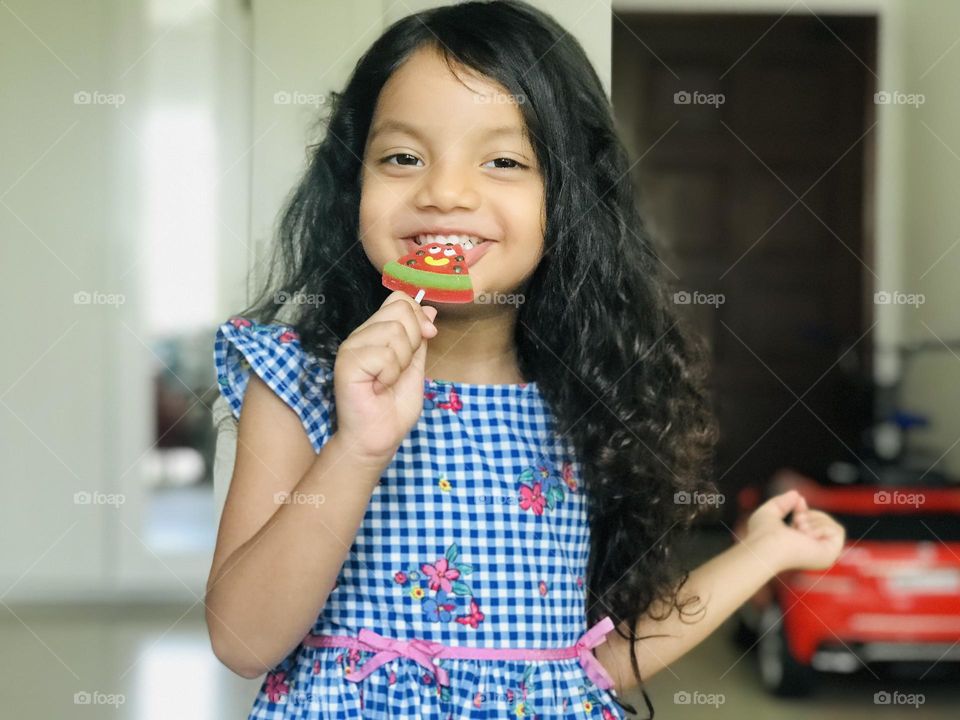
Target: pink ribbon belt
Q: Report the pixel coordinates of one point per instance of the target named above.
(424, 651)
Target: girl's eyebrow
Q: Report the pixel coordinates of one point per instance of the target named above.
(386, 126)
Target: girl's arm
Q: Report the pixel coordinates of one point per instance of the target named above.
(276, 562)
(813, 541)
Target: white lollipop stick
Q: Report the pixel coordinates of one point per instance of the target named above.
(420, 295)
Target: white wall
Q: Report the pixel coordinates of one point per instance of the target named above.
(76, 404)
(931, 228)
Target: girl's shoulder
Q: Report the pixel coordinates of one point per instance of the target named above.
(274, 352)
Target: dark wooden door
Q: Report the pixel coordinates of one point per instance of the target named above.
(758, 187)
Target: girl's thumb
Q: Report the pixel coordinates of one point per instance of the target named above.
(430, 312)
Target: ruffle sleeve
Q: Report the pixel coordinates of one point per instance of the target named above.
(274, 353)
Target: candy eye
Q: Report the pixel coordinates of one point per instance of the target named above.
(434, 249)
(450, 252)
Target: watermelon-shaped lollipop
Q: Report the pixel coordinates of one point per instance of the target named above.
(435, 271)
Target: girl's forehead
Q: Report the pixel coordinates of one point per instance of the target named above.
(426, 86)
(426, 101)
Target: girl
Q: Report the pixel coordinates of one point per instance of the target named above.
(442, 511)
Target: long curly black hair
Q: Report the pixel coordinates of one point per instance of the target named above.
(597, 330)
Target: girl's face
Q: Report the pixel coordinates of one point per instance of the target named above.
(442, 158)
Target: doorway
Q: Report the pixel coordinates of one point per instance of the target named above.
(752, 139)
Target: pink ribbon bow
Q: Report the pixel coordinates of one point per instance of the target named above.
(422, 651)
(596, 635)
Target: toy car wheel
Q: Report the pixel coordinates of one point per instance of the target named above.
(780, 672)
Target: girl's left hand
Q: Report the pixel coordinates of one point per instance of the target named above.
(812, 541)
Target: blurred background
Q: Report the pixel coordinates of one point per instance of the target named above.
(796, 161)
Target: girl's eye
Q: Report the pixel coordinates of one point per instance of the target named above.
(399, 155)
(508, 167)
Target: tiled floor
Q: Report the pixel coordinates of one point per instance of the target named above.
(159, 662)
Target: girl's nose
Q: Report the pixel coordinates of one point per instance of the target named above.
(447, 188)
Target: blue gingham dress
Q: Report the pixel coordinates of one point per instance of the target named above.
(476, 535)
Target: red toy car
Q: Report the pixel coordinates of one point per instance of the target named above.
(893, 594)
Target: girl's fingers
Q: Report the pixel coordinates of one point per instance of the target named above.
(388, 333)
(400, 306)
(381, 363)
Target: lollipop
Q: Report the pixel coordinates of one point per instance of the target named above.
(436, 272)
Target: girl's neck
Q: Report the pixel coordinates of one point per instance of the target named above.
(476, 348)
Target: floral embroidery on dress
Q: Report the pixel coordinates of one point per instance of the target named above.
(284, 334)
(450, 402)
(520, 706)
(444, 577)
(352, 658)
(276, 686)
(540, 489)
(591, 703)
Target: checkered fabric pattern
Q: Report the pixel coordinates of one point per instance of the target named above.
(476, 535)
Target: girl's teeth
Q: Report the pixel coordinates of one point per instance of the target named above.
(465, 242)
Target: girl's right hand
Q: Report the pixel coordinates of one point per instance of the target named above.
(378, 377)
